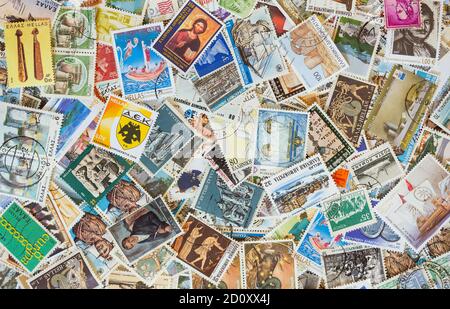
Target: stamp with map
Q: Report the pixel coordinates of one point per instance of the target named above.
(28, 53)
(187, 36)
(400, 14)
(24, 237)
(124, 128)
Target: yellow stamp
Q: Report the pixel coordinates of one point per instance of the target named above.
(29, 53)
(124, 128)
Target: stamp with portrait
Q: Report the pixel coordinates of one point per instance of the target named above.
(145, 230)
(400, 14)
(124, 128)
(109, 19)
(28, 10)
(204, 249)
(187, 36)
(24, 237)
(28, 53)
(433, 142)
(336, 7)
(105, 64)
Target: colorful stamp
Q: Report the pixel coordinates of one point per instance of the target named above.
(145, 230)
(28, 142)
(431, 142)
(134, 6)
(105, 64)
(336, 7)
(24, 238)
(402, 14)
(124, 128)
(160, 10)
(94, 173)
(142, 72)
(441, 116)
(417, 207)
(108, 20)
(280, 19)
(280, 140)
(240, 8)
(300, 186)
(325, 139)
(187, 36)
(204, 249)
(287, 85)
(154, 185)
(311, 52)
(28, 10)
(268, 265)
(349, 211)
(29, 68)
(396, 263)
(71, 273)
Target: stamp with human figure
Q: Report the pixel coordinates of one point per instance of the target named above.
(124, 128)
(187, 35)
(28, 53)
(402, 14)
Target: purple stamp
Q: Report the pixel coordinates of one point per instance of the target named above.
(400, 14)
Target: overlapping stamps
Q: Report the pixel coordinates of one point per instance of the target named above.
(402, 14)
(340, 7)
(29, 10)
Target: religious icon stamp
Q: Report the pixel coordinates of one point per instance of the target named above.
(124, 128)
(24, 237)
(402, 14)
(28, 53)
(141, 70)
(187, 35)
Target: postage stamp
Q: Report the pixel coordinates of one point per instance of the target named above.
(71, 273)
(24, 237)
(124, 128)
(134, 7)
(402, 14)
(325, 139)
(280, 140)
(282, 22)
(411, 279)
(75, 29)
(227, 207)
(94, 173)
(105, 64)
(439, 274)
(240, 8)
(349, 211)
(28, 143)
(376, 167)
(441, 116)
(432, 142)
(287, 85)
(141, 70)
(109, 19)
(310, 51)
(340, 7)
(187, 35)
(160, 10)
(28, 10)
(357, 40)
(417, 207)
(268, 265)
(401, 43)
(347, 265)
(348, 105)
(204, 249)
(293, 227)
(144, 230)
(30, 68)
(67, 210)
(154, 185)
(300, 186)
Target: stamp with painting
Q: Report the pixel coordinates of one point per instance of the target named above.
(109, 19)
(433, 142)
(400, 14)
(336, 7)
(28, 10)
(105, 64)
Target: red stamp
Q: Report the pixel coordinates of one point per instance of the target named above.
(105, 68)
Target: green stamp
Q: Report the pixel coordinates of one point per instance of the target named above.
(348, 212)
(25, 239)
(241, 8)
(95, 172)
(75, 28)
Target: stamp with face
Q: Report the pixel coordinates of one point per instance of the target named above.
(348, 106)
(141, 70)
(240, 8)
(336, 7)
(145, 230)
(280, 140)
(349, 211)
(287, 85)
(71, 273)
(187, 36)
(376, 167)
(431, 142)
(417, 45)
(160, 10)
(268, 265)
(167, 137)
(105, 64)
(94, 173)
(357, 40)
(109, 19)
(28, 143)
(24, 237)
(28, 10)
(300, 186)
(399, 109)
(325, 139)
(75, 29)
(134, 6)
(225, 207)
(124, 128)
(347, 265)
(312, 53)
(402, 14)
(28, 53)
(256, 47)
(204, 249)
(417, 207)
(441, 116)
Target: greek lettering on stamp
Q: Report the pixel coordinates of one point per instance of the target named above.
(28, 10)
(336, 7)
(402, 14)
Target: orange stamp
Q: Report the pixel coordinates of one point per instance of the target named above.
(340, 177)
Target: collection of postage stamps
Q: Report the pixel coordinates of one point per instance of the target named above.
(232, 144)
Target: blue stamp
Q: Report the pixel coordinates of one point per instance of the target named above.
(141, 70)
(227, 207)
(280, 140)
(216, 55)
